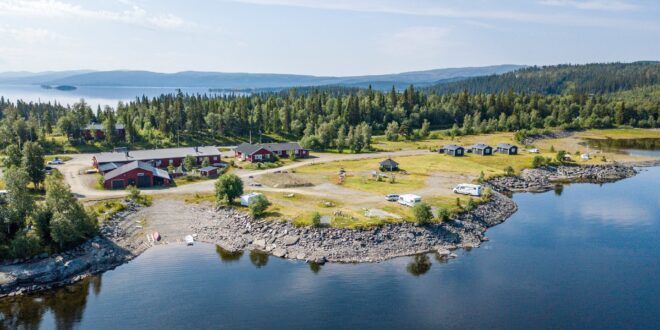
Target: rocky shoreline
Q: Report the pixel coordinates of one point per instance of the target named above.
(110, 249)
(235, 231)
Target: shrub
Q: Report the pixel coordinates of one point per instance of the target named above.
(538, 161)
(316, 219)
(422, 213)
(443, 214)
(258, 206)
(508, 171)
(471, 204)
(24, 245)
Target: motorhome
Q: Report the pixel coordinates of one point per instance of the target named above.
(468, 189)
(409, 199)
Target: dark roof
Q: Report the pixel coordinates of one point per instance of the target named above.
(505, 145)
(153, 154)
(208, 168)
(480, 146)
(282, 146)
(389, 163)
(136, 165)
(249, 149)
(452, 147)
(99, 127)
(108, 167)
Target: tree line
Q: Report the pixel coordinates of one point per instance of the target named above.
(323, 120)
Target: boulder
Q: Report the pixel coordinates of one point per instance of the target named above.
(260, 243)
(290, 240)
(279, 252)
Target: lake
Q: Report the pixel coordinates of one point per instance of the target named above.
(93, 95)
(582, 256)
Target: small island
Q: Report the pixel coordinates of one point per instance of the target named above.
(60, 87)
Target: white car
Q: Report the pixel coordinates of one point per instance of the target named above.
(55, 161)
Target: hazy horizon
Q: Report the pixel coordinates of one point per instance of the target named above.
(342, 38)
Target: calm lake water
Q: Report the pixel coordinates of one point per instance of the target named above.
(584, 256)
(646, 147)
(94, 96)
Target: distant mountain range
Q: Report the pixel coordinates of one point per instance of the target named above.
(221, 80)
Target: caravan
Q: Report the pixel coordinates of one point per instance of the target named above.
(468, 189)
(409, 199)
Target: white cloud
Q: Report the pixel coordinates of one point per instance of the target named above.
(606, 5)
(433, 10)
(29, 35)
(134, 14)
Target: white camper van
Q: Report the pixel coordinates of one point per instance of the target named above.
(409, 199)
(468, 189)
(248, 198)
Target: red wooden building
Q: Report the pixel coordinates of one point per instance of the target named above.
(264, 152)
(160, 158)
(95, 131)
(137, 173)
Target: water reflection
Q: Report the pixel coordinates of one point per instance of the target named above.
(315, 267)
(420, 264)
(559, 189)
(258, 258)
(66, 304)
(638, 147)
(228, 256)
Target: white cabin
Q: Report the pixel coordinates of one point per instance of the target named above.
(409, 199)
(468, 189)
(247, 199)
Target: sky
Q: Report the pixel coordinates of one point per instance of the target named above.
(321, 37)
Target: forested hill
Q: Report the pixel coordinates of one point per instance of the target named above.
(561, 79)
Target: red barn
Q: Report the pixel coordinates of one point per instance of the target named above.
(137, 173)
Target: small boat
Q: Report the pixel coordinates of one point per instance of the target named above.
(156, 236)
(189, 240)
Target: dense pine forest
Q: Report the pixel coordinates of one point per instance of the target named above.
(345, 118)
(559, 79)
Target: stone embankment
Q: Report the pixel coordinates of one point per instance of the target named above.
(236, 231)
(546, 178)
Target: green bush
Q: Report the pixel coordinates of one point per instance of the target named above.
(227, 188)
(316, 219)
(258, 206)
(422, 213)
(443, 214)
(471, 204)
(538, 161)
(24, 246)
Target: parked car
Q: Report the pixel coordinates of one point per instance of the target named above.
(91, 171)
(255, 184)
(392, 197)
(55, 161)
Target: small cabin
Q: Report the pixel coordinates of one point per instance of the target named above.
(508, 149)
(389, 165)
(453, 150)
(208, 172)
(481, 149)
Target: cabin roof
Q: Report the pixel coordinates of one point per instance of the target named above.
(480, 146)
(389, 163)
(152, 154)
(505, 145)
(452, 147)
(133, 166)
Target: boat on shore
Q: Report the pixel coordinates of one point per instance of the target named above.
(156, 236)
(189, 240)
